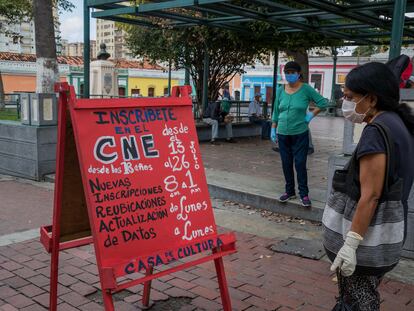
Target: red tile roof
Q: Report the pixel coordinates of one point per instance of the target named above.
(78, 61)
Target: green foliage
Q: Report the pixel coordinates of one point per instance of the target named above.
(8, 114)
(15, 9)
(230, 48)
(19, 10)
(368, 50)
(228, 51)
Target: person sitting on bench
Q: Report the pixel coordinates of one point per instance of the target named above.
(212, 116)
(256, 116)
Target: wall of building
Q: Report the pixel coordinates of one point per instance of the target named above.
(320, 76)
(22, 42)
(107, 32)
(76, 48)
(144, 83)
(253, 84)
(21, 83)
(23, 39)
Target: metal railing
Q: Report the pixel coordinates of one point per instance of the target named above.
(12, 105)
(239, 110)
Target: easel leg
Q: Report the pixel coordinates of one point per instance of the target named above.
(57, 201)
(108, 302)
(54, 279)
(224, 291)
(147, 289)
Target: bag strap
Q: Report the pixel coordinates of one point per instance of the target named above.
(352, 171)
(340, 285)
(390, 148)
(390, 161)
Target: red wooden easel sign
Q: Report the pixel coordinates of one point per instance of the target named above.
(145, 200)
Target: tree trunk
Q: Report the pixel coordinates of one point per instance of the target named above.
(46, 62)
(301, 57)
(2, 103)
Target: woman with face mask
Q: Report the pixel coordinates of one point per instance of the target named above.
(290, 127)
(365, 241)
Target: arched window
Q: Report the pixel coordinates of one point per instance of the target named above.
(237, 95)
(151, 91)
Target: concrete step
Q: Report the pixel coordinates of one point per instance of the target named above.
(262, 193)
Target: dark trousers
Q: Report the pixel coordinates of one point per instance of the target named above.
(361, 292)
(265, 124)
(294, 150)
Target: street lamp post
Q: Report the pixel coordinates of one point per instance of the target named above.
(332, 104)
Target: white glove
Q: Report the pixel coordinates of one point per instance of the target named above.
(346, 257)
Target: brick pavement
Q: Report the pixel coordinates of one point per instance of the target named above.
(258, 280)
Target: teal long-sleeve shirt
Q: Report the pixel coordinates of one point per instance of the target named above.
(290, 109)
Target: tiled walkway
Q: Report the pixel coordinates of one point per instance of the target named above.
(258, 278)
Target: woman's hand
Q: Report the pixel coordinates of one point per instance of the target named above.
(273, 134)
(346, 257)
(309, 116)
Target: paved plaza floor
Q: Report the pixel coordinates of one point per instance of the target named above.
(254, 157)
(252, 171)
(259, 279)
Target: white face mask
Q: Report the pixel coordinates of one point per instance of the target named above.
(348, 109)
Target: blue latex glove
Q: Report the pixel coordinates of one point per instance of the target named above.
(273, 134)
(309, 116)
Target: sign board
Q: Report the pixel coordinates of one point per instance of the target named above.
(139, 165)
(143, 179)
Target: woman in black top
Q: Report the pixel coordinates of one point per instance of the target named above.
(371, 95)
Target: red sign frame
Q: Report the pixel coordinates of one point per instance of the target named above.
(109, 268)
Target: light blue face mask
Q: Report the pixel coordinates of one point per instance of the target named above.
(292, 77)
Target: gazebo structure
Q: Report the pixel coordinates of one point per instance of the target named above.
(356, 22)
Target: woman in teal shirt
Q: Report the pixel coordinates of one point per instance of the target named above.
(290, 127)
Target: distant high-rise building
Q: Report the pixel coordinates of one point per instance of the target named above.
(17, 38)
(113, 37)
(76, 48)
(20, 37)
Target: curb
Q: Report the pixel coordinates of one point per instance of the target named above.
(292, 208)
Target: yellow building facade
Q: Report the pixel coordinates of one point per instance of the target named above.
(149, 86)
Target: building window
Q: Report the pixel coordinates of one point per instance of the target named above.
(166, 91)
(256, 89)
(151, 92)
(340, 78)
(269, 94)
(316, 80)
(135, 92)
(237, 95)
(121, 91)
(246, 93)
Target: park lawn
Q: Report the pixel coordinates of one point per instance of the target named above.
(9, 114)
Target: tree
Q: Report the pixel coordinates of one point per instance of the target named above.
(228, 52)
(16, 11)
(46, 62)
(368, 50)
(12, 10)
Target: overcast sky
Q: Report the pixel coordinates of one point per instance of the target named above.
(71, 23)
